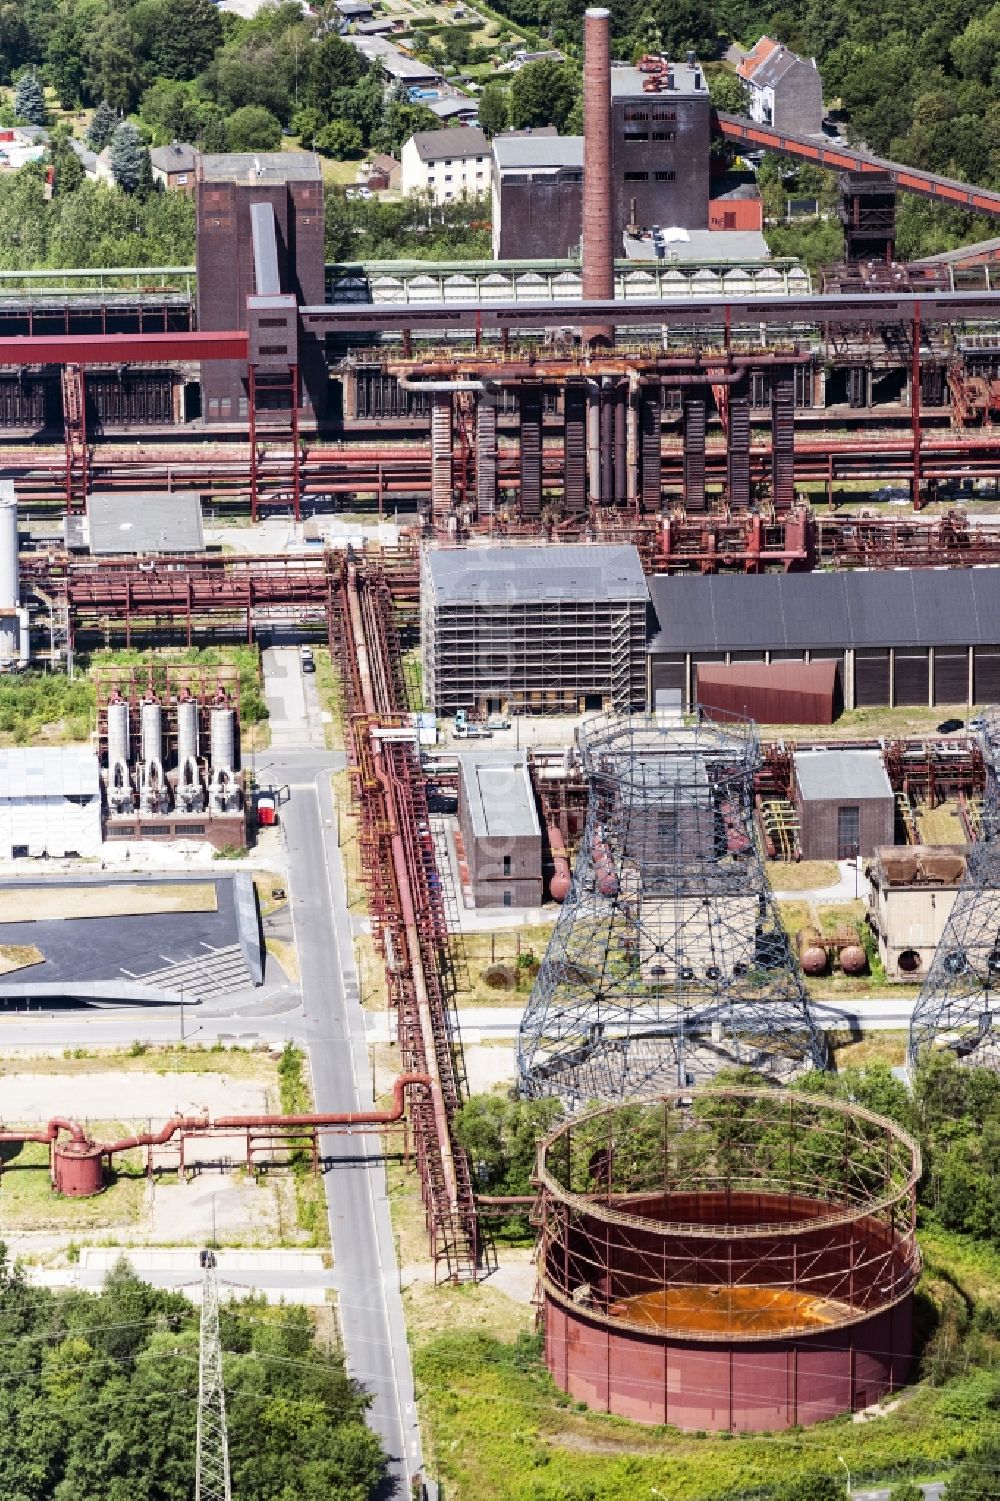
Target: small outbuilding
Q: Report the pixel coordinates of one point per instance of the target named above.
(912, 892)
(500, 829)
(844, 801)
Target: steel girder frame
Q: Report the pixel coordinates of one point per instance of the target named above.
(668, 961)
(960, 997)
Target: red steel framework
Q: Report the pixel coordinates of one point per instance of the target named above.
(739, 1259)
(407, 910)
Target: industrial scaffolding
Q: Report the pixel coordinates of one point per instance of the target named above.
(960, 996)
(669, 960)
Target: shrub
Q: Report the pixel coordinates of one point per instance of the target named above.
(500, 977)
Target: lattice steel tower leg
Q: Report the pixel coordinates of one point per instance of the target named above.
(212, 1479)
(959, 1003)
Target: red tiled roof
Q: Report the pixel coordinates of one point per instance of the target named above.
(756, 56)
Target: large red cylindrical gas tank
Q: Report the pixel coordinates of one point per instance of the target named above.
(77, 1169)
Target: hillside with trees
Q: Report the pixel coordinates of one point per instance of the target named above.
(98, 1398)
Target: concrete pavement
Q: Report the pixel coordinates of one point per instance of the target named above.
(365, 1271)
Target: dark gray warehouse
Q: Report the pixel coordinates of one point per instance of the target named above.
(903, 637)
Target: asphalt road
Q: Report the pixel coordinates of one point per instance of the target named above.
(365, 1271)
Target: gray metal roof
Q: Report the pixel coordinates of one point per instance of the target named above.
(500, 797)
(704, 246)
(836, 775)
(261, 166)
(499, 575)
(776, 65)
(898, 607)
(628, 82)
(452, 141)
(150, 523)
(521, 152)
(265, 250)
(48, 771)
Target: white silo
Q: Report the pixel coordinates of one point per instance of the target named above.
(189, 794)
(118, 732)
(10, 578)
(154, 791)
(223, 735)
(187, 730)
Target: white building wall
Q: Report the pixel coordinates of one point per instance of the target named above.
(448, 179)
(53, 826)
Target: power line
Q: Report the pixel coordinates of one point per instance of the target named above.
(212, 1473)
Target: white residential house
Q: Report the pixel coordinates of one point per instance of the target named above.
(447, 164)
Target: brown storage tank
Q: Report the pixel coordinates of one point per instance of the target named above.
(812, 951)
(765, 1289)
(561, 880)
(853, 959)
(77, 1169)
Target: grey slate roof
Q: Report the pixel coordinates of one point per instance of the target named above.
(177, 157)
(151, 523)
(498, 789)
(775, 66)
(453, 141)
(836, 775)
(897, 607)
(520, 152)
(501, 575)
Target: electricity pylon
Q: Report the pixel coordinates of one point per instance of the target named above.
(212, 1479)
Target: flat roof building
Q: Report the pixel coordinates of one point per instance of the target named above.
(903, 636)
(50, 802)
(912, 893)
(537, 186)
(500, 830)
(156, 522)
(533, 629)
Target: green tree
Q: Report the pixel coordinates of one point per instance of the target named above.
(14, 37)
(456, 46)
(494, 110)
(544, 93)
(69, 173)
(977, 1478)
(906, 1490)
(179, 37)
(728, 92)
(499, 1135)
(253, 128)
(29, 100)
(103, 125)
(127, 152)
(115, 70)
(339, 139)
(333, 66)
(65, 61)
(976, 51)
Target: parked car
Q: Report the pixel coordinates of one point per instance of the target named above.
(306, 659)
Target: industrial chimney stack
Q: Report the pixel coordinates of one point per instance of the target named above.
(598, 231)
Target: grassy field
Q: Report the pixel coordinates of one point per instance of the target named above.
(517, 949)
(27, 1201)
(330, 687)
(117, 899)
(239, 1063)
(806, 875)
(863, 724)
(14, 956)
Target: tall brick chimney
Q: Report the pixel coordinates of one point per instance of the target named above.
(598, 230)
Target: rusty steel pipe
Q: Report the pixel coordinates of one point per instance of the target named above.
(196, 1124)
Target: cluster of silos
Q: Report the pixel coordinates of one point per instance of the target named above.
(146, 781)
(14, 635)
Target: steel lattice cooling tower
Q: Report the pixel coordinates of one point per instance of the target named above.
(668, 960)
(728, 1259)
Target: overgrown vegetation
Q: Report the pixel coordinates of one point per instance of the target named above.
(49, 704)
(99, 1398)
(296, 1099)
